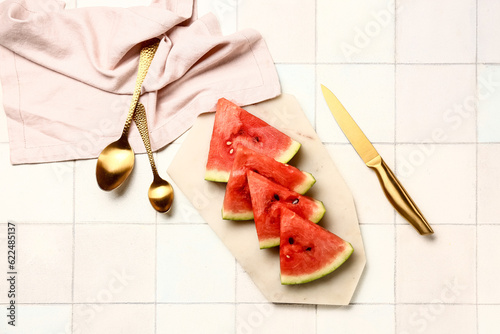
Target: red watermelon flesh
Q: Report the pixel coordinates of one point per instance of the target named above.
(237, 203)
(307, 250)
(267, 200)
(234, 125)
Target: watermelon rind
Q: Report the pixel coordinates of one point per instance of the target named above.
(244, 215)
(269, 243)
(306, 185)
(288, 280)
(290, 152)
(216, 175)
(320, 212)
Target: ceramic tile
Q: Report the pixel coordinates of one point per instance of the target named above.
(195, 318)
(47, 188)
(487, 319)
(426, 31)
(488, 184)
(366, 91)
(262, 16)
(488, 29)
(114, 318)
(488, 121)
(39, 319)
(435, 111)
(409, 78)
(373, 319)
(185, 251)
(435, 319)
(377, 283)
(299, 80)
(114, 263)
(372, 206)
(359, 31)
(43, 263)
(224, 10)
(182, 211)
(127, 203)
(441, 179)
(274, 318)
(246, 290)
(488, 273)
(437, 269)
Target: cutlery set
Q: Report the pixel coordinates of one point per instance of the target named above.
(116, 161)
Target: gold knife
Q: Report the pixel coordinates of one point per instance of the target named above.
(393, 189)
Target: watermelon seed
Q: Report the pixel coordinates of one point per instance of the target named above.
(257, 139)
(231, 151)
(229, 143)
(295, 201)
(290, 241)
(308, 249)
(276, 197)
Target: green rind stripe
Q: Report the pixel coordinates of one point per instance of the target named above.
(246, 215)
(337, 262)
(318, 213)
(216, 175)
(306, 185)
(290, 152)
(269, 243)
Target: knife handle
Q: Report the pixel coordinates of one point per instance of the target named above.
(398, 196)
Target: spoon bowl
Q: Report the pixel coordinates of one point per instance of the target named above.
(161, 194)
(114, 164)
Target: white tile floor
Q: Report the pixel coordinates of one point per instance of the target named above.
(422, 79)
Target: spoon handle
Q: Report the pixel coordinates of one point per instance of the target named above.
(142, 124)
(145, 59)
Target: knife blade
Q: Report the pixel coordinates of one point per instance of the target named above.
(393, 189)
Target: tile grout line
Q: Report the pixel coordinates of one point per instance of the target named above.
(73, 247)
(73, 243)
(315, 91)
(461, 143)
(387, 63)
(245, 303)
(395, 166)
(155, 317)
(477, 165)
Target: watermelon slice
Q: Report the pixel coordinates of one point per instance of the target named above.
(267, 200)
(234, 125)
(308, 251)
(237, 203)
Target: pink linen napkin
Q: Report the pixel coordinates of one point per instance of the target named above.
(68, 74)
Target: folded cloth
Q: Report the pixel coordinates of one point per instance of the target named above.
(68, 74)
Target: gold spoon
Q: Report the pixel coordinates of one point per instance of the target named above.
(161, 193)
(116, 161)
